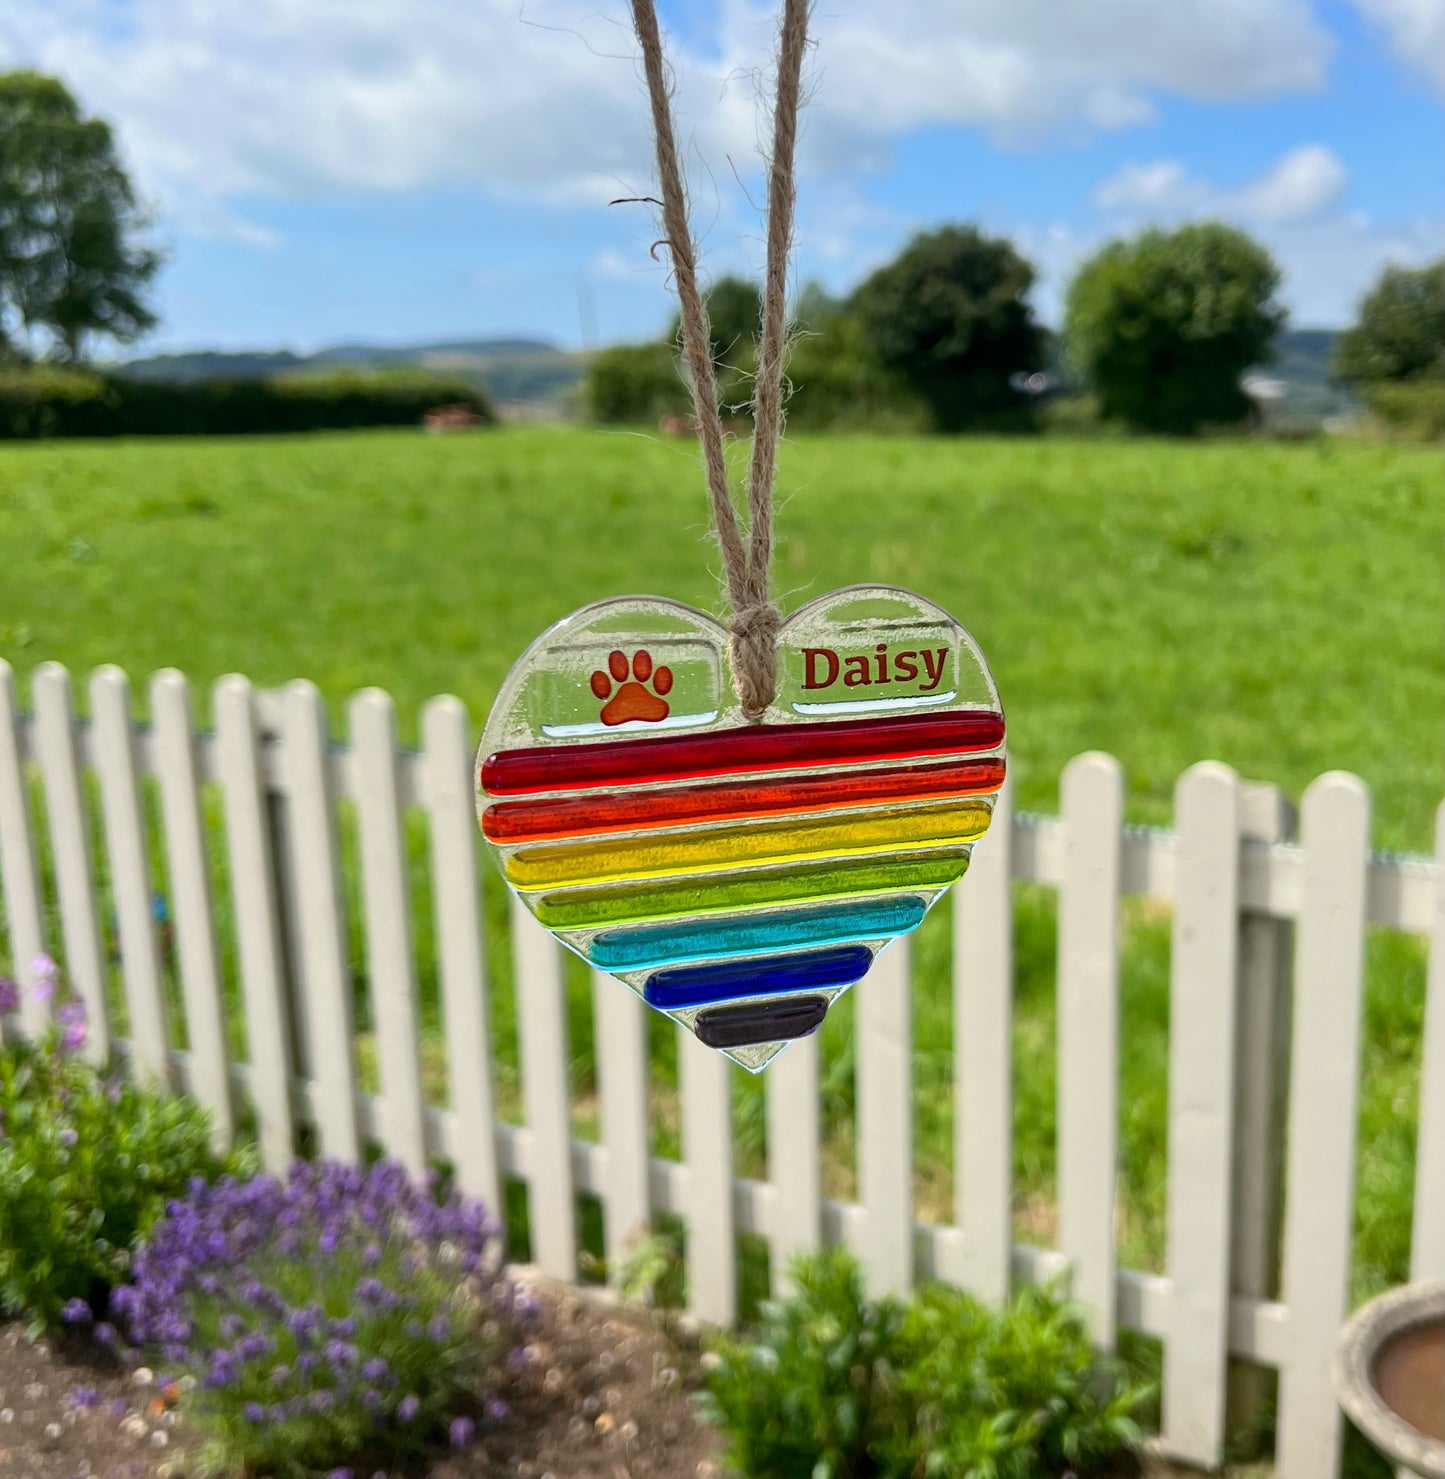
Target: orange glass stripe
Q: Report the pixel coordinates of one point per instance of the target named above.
(634, 811)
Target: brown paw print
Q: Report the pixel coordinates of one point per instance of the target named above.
(632, 700)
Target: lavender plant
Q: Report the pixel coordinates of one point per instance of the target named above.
(333, 1316)
(88, 1162)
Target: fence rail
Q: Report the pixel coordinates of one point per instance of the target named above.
(1243, 900)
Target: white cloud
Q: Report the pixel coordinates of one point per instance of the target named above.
(1416, 30)
(540, 99)
(1299, 186)
(1296, 207)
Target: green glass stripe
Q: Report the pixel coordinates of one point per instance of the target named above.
(633, 903)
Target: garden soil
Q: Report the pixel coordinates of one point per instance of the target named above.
(605, 1394)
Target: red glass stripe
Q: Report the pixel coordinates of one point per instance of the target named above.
(737, 751)
(629, 811)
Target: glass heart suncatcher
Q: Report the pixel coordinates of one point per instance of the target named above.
(738, 876)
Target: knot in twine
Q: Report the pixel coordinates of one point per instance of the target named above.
(753, 645)
(753, 648)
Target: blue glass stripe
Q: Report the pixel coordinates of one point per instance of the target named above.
(727, 980)
(647, 946)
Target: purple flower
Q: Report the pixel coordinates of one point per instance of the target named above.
(76, 1311)
(498, 1411)
(375, 1369)
(105, 1333)
(82, 1398)
(9, 996)
(253, 1412)
(371, 1291)
(440, 1328)
(462, 1431)
(339, 1474)
(409, 1408)
(68, 1137)
(71, 1017)
(44, 973)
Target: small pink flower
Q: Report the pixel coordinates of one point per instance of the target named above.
(45, 973)
(9, 996)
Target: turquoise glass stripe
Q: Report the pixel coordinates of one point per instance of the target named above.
(646, 946)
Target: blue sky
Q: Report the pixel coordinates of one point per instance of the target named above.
(407, 170)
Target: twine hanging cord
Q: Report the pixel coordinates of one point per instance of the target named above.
(755, 620)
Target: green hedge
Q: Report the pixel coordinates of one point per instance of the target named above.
(45, 401)
(1413, 410)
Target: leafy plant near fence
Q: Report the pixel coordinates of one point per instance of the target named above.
(49, 401)
(88, 1162)
(839, 1386)
(336, 1315)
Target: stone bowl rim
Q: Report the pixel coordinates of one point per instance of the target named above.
(1361, 1340)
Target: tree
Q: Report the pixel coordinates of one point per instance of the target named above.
(951, 315)
(1400, 332)
(73, 261)
(635, 383)
(734, 311)
(1163, 326)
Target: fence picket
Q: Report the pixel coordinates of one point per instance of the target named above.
(1324, 1083)
(795, 1157)
(70, 841)
(707, 1146)
(189, 877)
(1201, 1109)
(456, 895)
(983, 1058)
(386, 900)
(1427, 1240)
(130, 880)
(1092, 797)
(546, 1093)
(258, 935)
(19, 875)
(323, 956)
(885, 1119)
(620, 1035)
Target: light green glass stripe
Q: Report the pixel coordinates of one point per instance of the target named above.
(586, 908)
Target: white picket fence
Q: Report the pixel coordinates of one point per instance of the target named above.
(1244, 902)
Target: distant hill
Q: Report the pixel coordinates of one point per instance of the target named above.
(511, 371)
(1302, 362)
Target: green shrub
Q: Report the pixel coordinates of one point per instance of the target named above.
(839, 384)
(50, 401)
(636, 384)
(1413, 410)
(840, 1386)
(87, 1166)
(45, 401)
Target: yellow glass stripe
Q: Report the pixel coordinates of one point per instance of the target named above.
(745, 845)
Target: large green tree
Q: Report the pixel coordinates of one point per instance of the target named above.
(74, 261)
(951, 316)
(1162, 327)
(1400, 332)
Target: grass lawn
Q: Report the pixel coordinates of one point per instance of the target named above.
(1275, 606)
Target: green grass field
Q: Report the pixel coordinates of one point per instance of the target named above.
(1278, 607)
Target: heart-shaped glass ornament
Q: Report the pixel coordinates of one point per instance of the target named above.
(740, 876)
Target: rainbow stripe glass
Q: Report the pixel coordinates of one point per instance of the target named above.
(736, 875)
